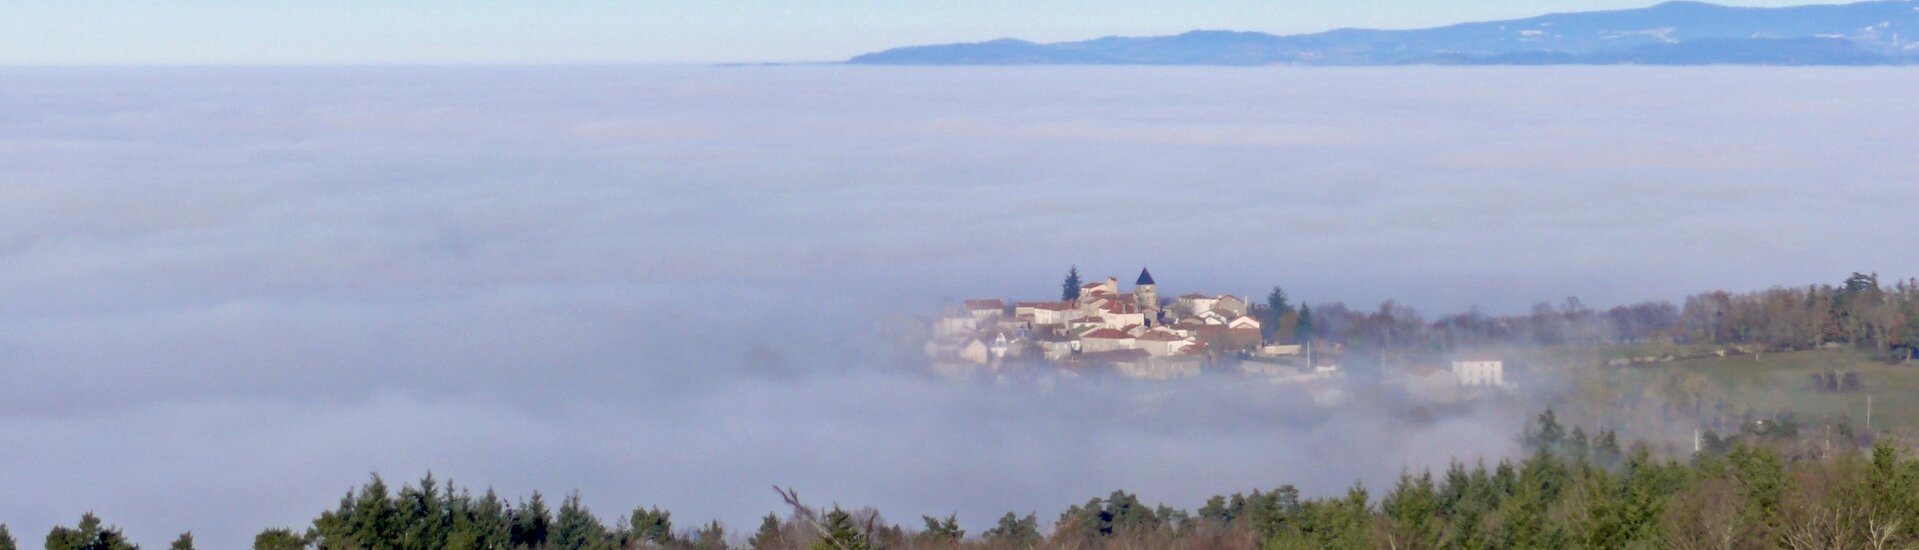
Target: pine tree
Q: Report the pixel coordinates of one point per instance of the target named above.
(651, 525)
(1413, 508)
(711, 537)
(575, 528)
(185, 542)
(947, 530)
(770, 536)
(281, 539)
(1015, 530)
(90, 534)
(841, 533)
(422, 514)
(6, 539)
(530, 523)
(1069, 290)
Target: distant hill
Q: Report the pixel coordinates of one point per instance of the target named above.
(1673, 33)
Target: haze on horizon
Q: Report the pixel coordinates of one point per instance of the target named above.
(227, 295)
(364, 32)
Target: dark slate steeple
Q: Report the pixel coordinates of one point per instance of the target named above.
(1145, 277)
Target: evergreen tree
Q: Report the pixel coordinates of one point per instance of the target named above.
(6, 539)
(1545, 432)
(1761, 481)
(185, 542)
(710, 537)
(650, 525)
(479, 524)
(1303, 329)
(281, 539)
(841, 532)
(422, 515)
(530, 523)
(1015, 530)
(1413, 509)
(946, 530)
(575, 528)
(772, 535)
(90, 534)
(1069, 290)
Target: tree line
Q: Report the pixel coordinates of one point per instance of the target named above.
(1573, 490)
(1860, 311)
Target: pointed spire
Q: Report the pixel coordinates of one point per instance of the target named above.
(1145, 277)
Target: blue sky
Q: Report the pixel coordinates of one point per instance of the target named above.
(487, 32)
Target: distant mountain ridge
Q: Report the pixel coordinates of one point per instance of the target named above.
(1882, 32)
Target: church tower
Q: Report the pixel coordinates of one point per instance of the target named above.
(1147, 293)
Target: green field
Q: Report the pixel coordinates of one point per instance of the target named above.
(1773, 382)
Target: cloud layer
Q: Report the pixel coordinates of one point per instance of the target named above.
(227, 295)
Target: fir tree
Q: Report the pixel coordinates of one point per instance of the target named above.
(185, 542)
(6, 539)
(1069, 290)
(770, 536)
(841, 533)
(575, 528)
(530, 523)
(650, 525)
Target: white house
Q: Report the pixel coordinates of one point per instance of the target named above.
(985, 309)
(1048, 313)
(1480, 373)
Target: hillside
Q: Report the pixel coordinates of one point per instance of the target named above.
(1673, 33)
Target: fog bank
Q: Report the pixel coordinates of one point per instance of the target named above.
(227, 295)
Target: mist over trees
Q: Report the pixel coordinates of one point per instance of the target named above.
(1861, 312)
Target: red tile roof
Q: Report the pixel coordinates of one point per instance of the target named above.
(1108, 334)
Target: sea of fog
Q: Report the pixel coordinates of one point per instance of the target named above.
(229, 295)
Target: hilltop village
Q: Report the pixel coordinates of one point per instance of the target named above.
(1136, 333)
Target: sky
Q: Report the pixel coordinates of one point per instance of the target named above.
(657, 32)
(227, 295)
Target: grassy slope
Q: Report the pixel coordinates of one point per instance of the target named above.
(1780, 381)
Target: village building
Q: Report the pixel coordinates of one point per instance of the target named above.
(1480, 373)
(1107, 339)
(985, 310)
(1134, 332)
